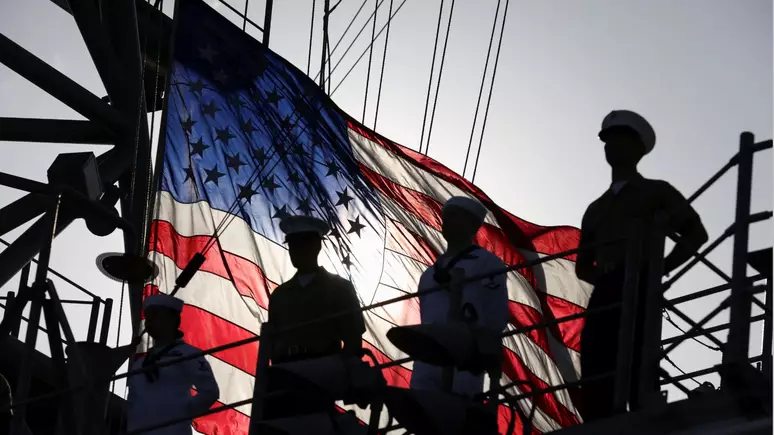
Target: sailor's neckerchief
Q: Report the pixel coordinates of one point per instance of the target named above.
(441, 274)
(152, 358)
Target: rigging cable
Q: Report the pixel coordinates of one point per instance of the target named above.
(491, 88)
(430, 82)
(351, 44)
(384, 60)
(351, 22)
(370, 58)
(440, 74)
(311, 35)
(672, 322)
(366, 50)
(481, 89)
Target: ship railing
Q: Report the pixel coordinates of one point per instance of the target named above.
(98, 305)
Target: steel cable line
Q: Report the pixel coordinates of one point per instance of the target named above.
(440, 74)
(366, 50)
(384, 60)
(430, 81)
(356, 37)
(351, 22)
(370, 58)
(491, 87)
(311, 35)
(481, 89)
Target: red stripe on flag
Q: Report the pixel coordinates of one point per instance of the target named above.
(396, 376)
(227, 422)
(204, 330)
(546, 240)
(516, 370)
(249, 279)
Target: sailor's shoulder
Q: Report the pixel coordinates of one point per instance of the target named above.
(336, 281)
(183, 349)
(488, 258)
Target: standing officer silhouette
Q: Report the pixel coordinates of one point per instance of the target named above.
(164, 393)
(628, 137)
(311, 294)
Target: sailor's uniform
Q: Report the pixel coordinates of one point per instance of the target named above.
(489, 298)
(164, 393)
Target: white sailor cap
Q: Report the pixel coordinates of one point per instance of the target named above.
(164, 300)
(634, 121)
(303, 224)
(468, 204)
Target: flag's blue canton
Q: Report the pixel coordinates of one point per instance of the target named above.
(252, 135)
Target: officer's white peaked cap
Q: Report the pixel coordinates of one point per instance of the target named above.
(468, 204)
(303, 224)
(164, 300)
(627, 118)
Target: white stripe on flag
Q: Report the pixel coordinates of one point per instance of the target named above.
(392, 167)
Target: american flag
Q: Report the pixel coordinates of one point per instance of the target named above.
(249, 138)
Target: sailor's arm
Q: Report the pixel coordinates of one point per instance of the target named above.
(496, 300)
(352, 325)
(688, 226)
(201, 377)
(584, 263)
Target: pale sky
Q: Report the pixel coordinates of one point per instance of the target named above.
(700, 70)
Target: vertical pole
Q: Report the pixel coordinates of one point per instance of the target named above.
(741, 298)
(93, 318)
(326, 11)
(267, 22)
(646, 381)
(65, 409)
(11, 299)
(767, 334)
(103, 334)
(25, 369)
(453, 315)
(628, 318)
(259, 388)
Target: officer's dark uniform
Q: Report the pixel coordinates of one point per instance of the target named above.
(294, 303)
(609, 218)
(302, 299)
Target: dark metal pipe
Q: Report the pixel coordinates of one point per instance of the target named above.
(53, 131)
(706, 331)
(93, 317)
(709, 292)
(741, 299)
(59, 86)
(267, 22)
(106, 315)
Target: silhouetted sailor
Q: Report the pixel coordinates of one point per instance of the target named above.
(631, 197)
(311, 294)
(462, 218)
(164, 393)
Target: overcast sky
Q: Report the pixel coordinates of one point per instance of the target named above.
(699, 70)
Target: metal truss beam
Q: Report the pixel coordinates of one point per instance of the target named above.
(20, 211)
(59, 86)
(105, 57)
(54, 131)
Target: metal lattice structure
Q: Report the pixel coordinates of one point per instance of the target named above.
(134, 75)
